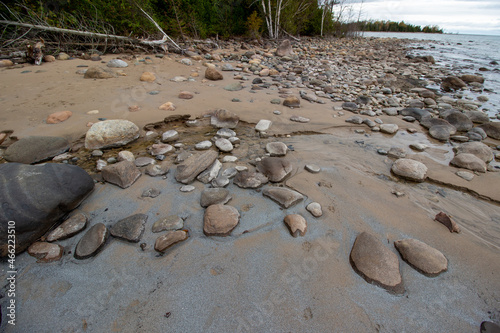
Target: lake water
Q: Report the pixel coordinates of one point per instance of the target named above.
(461, 54)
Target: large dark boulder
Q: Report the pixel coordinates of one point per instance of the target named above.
(36, 197)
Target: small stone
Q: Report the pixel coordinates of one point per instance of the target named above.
(410, 169)
(170, 238)
(283, 196)
(210, 173)
(143, 161)
(292, 102)
(148, 77)
(92, 242)
(123, 174)
(172, 222)
(117, 63)
(134, 108)
(100, 164)
(68, 228)
(315, 209)
(169, 136)
(297, 224)
(229, 159)
(248, 179)
(389, 128)
(226, 133)
(465, 175)
(130, 228)
(213, 74)
(276, 148)
(469, 161)
(300, 119)
(186, 95)
(213, 196)
(186, 62)
(448, 222)
(155, 170)
(419, 146)
(45, 252)
(224, 145)
(168, 106)
(312, 168)
(263, 125)
(220, 220)
(151, 193)
(58, 117)
(204, 145)
(187, 188)
(160, 149)
(233, 87)
(222, 118)
(276, 169)
(424, 258)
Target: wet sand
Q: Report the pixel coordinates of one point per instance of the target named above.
(259, 279)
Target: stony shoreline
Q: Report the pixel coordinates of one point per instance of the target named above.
(336, 143)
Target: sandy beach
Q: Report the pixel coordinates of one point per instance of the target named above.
(259, 278)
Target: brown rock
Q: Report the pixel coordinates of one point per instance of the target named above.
(92, 242)
(169, 106)
(469, 161)
(472, 78)
(148, 77)
(123, 173)
(475, 148)
(452, 83)
(98, 73)
(46, 252)
(292, 102)
(188, 170)
(213, 74)
(424, 258)
(130, 228)
(68, 228)
(297, 224)
(49, 58)
(222, 118)
(376, 263)
(220, 220)
(134, 108)
(250, 179)
(58, 117)
(170, 238)
(283, 196)
(447, 221)
(410, 169)
(285, 49)
(186, 95)
(6, 63)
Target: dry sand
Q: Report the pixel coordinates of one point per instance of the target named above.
(260, 279)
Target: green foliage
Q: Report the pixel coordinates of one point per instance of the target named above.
(390, 26)
(254, 24)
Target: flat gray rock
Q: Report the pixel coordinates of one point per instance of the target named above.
(220, 220)
(130, 228)
(276, 148)
(283, 196)
(172, 222)
(224, 145)
(263, 125)
(312, 168)
(424, 258)
(213, 196)
(389, 128)
(376, 263)
(275, 169)
(222, 118)
(92, 242)
(155, 170)
(194, 165)
(249, 179)
(34, 149)
(210, 173)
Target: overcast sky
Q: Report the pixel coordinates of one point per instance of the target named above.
(454, 16)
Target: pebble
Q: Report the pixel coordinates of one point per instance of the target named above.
(187, 188)
(297, 224)
(130, 228)
(263, 125)
(315, 209)
(170, 238)
(172, 222)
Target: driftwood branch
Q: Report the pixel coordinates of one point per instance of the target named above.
(292, 37)
(165, 36)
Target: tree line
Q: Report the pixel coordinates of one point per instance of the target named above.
(391, 26)
(199, 18)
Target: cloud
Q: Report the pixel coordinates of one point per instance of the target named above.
(452, 15)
